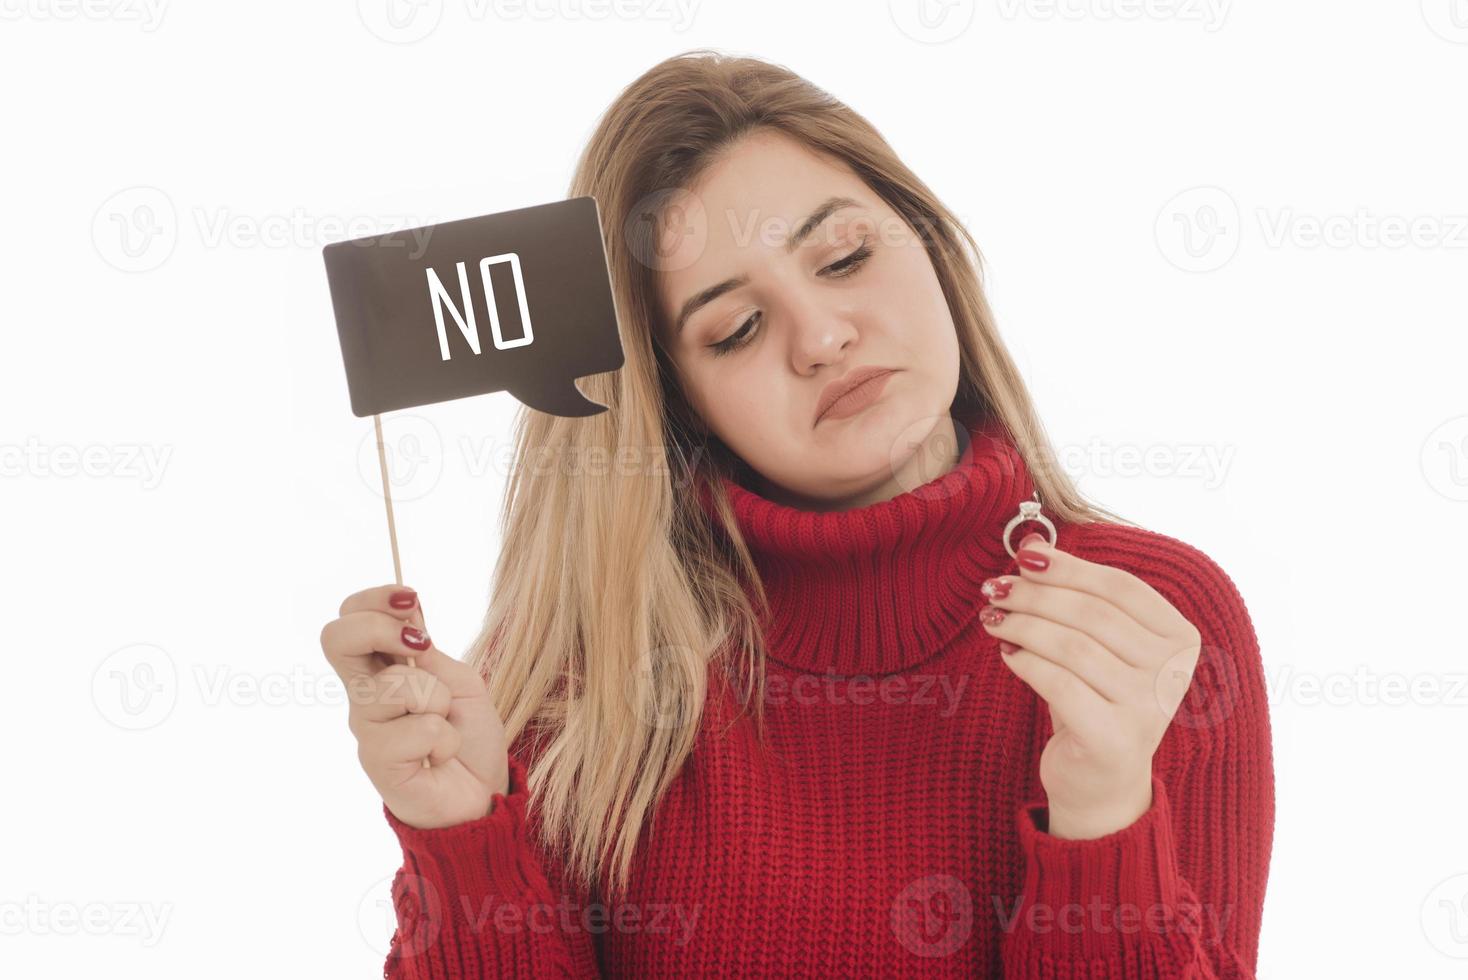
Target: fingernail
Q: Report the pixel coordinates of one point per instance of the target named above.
(1034, 537)
(403, 599)
(415, 638)
(991, 615)
(1006, 647)
(1032, 560)
(995, 588)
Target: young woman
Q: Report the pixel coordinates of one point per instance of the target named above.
(763, 688)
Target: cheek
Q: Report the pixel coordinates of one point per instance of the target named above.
(913, 297)
(724, 392)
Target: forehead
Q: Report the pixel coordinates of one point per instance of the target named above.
(751, 198)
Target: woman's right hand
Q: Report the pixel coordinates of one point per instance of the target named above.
(438, 709)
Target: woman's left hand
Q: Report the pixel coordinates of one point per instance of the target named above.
(1112, 659)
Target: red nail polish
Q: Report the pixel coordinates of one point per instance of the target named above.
(403, 599)
(1032, 560)
(991, 615)
(415, 638)
(995, 588)
(1006, 647)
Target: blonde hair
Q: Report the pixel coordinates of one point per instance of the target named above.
(616, 600)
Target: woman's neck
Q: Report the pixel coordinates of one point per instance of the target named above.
(877, 589)
(933, 458)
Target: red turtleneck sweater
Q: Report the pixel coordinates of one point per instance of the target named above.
(898, 826)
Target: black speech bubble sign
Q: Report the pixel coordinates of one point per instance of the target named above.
(539, 305)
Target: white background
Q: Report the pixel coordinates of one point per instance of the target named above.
(175, 744)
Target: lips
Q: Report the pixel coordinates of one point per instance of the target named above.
(837, 389)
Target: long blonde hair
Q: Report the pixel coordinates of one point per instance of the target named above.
(616, 600)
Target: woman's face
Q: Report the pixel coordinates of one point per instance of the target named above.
(757, 330)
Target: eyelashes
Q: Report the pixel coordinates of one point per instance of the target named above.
(839, 269)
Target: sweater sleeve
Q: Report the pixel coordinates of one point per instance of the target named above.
(475, 900)
(1179, 893)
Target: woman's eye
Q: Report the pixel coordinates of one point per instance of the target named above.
(851, 263)
(836, 270)
(735, 340)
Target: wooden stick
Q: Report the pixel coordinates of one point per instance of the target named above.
(392, 529)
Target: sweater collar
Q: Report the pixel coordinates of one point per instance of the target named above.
(878, 589)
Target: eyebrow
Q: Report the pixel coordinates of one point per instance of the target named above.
(813, 221)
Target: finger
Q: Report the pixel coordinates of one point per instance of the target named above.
(396, 691)
(401, 601)
(1092, 615)
(1122, 589)
(352, 643)
(1109, 677)
(1071, 700)
(407, 740)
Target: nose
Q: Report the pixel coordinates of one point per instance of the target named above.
(819, 334)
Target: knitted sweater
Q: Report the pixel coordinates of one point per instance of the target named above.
(895, 823)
